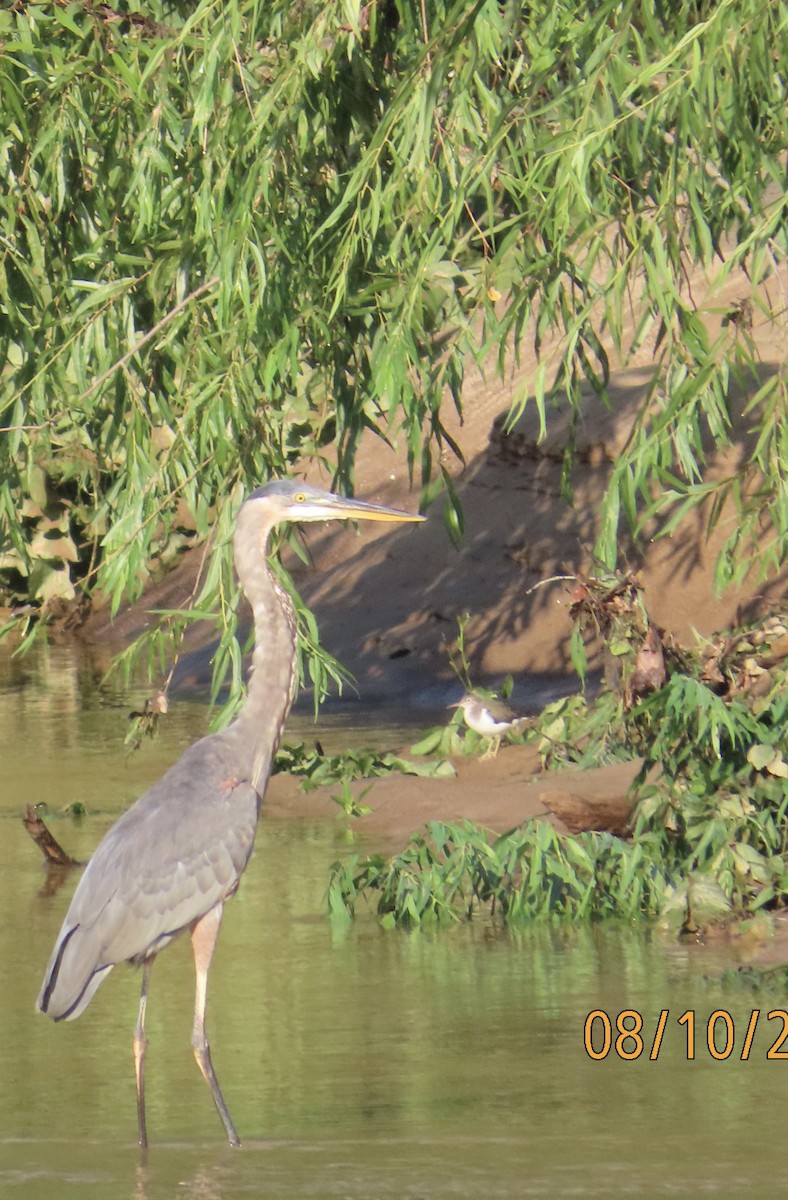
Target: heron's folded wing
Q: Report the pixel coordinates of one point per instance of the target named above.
(177, 852)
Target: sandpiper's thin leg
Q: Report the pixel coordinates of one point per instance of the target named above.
(204, 935)
(492, 749)
(140, 1044)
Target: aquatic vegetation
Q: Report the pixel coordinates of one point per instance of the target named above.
(708, 833)
(317, 769)
(453, 869)
(320, 770)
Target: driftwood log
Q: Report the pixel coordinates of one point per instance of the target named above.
(583, 814)
(53, 852)
(598, 800)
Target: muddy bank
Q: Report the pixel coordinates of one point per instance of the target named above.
(497, 793)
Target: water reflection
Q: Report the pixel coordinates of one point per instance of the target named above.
(358, 1063)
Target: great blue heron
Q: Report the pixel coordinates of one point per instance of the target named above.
(491, 718)
(178, 853)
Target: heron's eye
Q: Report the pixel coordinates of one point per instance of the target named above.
(300, 497)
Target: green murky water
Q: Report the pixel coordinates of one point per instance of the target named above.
(357, 1063)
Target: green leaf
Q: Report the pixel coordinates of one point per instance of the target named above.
(761, 756)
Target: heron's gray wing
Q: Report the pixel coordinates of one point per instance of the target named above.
(177, 852)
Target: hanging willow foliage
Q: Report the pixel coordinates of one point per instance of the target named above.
(234, 233)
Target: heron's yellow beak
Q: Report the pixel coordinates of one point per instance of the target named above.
(361, 510)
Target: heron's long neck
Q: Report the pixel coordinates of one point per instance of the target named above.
(270, 687)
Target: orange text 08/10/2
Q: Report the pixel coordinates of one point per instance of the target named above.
(625, 1035)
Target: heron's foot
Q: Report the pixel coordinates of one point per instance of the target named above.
(202, 1054)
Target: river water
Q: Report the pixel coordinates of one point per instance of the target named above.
(358, 1063)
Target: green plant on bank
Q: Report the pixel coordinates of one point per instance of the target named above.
(718, 802)
(317, 769)
(236, 236)
(572, 732)
(452, 738)
(349, 803)
(324, 770)
(709, 835)
(454, 869)
(449, 738)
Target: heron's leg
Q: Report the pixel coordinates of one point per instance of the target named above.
(204, 935)
(140, 1045)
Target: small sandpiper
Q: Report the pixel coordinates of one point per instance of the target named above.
(491, 718)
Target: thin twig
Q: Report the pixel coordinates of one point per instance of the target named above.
(552, 579)
(709, 168)
(173, 492)
(27, 428)
(239, 65)
(66, 345)
(157, 328)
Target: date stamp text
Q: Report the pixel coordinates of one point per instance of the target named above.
(625, 1035)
